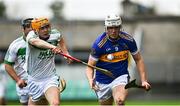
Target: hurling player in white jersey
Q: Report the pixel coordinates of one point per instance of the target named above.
(42, 45)
(15, 59)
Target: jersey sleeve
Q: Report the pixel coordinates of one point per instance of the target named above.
(132, 46)
(10, 56)
(59, 35)
(30, 35)
(130, 42)
(95, 52)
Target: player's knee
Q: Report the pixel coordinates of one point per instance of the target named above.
(55, 103)
(119, 101)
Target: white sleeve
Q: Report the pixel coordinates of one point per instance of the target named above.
(93, 58)
(60, 36)
(11, 53)
(30, 35)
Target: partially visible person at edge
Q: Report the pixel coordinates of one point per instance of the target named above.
(3, 82)
(42, 45)
(110, 51)
(15, 60)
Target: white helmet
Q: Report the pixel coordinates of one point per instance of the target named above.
(113, 20)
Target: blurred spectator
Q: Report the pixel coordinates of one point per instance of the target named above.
(2, 82)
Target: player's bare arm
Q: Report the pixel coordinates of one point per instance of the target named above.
(41, 43)
(141, 68)
(90, 74)
(63, 47)
(10, 70)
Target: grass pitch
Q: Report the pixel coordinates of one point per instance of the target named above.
(128, 103)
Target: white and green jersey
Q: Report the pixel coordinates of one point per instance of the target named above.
(15, 55)
(40, 62)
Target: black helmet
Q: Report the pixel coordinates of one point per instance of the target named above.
(26, 22)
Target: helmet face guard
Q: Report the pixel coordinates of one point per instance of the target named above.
(39, 23)
(113, 26)
(26, 23)
(113, 20)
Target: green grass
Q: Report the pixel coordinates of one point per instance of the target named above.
(128, 103)
(153, 103)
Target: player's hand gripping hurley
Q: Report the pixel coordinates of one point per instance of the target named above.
(104, 71)
(132, 84)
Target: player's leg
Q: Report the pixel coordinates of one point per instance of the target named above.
(104, 94)
(43, 101)
(51, 90)
(36, 92)
(31, 103)
(108, 101)
(52, 95)
(2, 101)
(119, 92)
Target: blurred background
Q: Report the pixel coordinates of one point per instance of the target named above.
(154, 24)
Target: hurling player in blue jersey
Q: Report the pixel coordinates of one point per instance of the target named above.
(110, 51)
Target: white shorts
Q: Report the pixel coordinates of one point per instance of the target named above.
(23, 94)
(105, 90)
(2, 90)
(37, 88)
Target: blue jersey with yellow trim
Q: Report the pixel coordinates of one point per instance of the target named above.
(113, 55)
